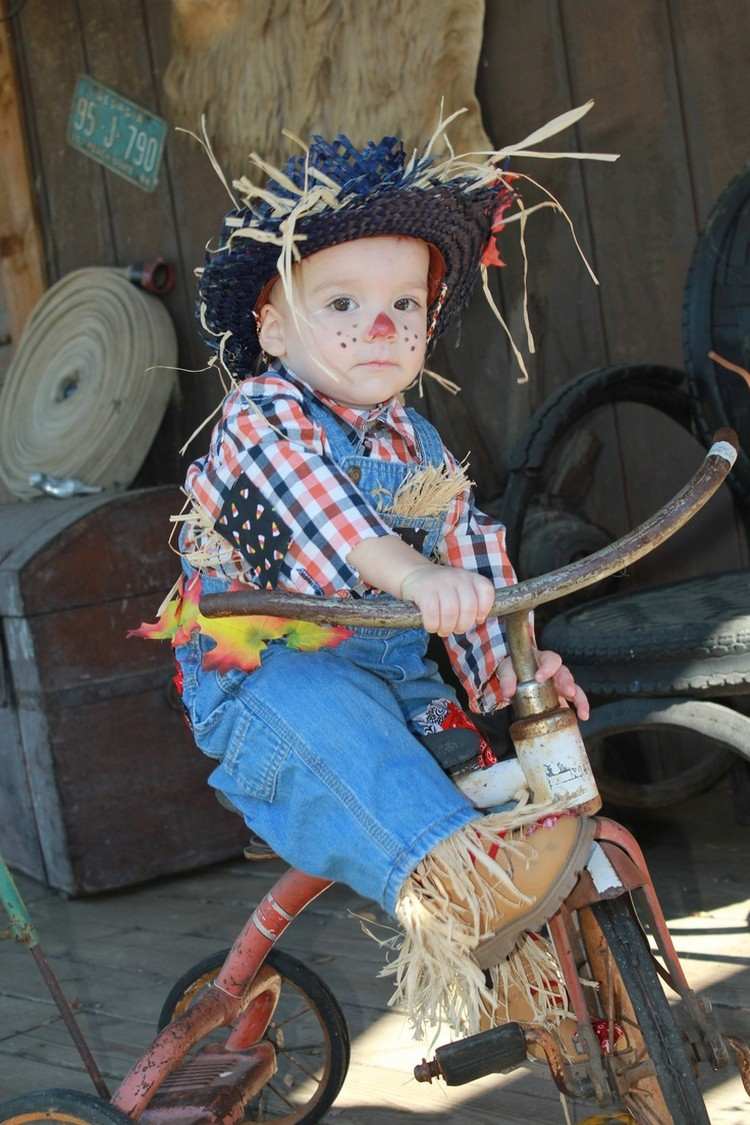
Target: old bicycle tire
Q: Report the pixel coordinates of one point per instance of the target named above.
(303, 984)
(716, 317)
(663, 388)
(68, 1107)
(671, 1094)
(684, 638)
(724, 731)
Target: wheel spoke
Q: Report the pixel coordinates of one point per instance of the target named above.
(311, 1048)
(280, 1096)
(309, 1073)
(296, 1016)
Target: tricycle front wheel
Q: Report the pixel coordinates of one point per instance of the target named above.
(645, 1048)
(308, 1031)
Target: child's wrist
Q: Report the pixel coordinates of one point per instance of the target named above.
(407, 580)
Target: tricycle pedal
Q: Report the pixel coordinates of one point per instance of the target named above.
(490, 1052)
(212, 1088)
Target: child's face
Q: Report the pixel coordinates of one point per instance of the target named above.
(366, 304)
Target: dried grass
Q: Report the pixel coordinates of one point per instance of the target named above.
(430, 491)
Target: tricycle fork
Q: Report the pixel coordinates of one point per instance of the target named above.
(230, 997)
(629, 872)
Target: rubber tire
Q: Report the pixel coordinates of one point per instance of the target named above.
(699, 332)
(663, 1039)
(297, 973)
(86, 1107)
(663, 388)
(727, 730)
(640, 643)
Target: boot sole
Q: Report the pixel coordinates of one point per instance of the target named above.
(496, 949)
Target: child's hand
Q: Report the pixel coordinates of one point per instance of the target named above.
(550, 667)
(450, 600)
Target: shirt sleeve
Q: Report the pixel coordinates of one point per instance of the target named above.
(475, 542)
(270, 447)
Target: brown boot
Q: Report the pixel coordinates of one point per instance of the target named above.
(530, 873)
(469, 902)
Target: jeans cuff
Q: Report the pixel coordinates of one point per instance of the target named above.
(406, 862)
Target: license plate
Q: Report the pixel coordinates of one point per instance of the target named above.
(117, 133)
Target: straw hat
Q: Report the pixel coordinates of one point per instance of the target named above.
(333, 192)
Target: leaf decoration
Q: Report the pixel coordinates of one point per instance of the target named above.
(238, 641)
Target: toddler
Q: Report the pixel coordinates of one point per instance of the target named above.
(329, 287)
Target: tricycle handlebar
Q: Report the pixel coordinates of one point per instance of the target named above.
(394, 614)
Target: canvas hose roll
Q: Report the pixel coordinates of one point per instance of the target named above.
(88, 385)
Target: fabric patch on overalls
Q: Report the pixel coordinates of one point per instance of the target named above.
(254, 528)
(412, 536)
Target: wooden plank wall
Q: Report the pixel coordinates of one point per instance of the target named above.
(667, 76)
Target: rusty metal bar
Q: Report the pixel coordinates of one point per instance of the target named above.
(70, 1022)
(393, 614)
(22, 929)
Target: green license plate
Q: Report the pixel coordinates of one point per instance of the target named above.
(118, 133)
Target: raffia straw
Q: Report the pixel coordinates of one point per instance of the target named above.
(275, 174)
(447, 384)
(559, 207)
(430, 491)
(201, 426)
(534, 971)
(466, 161)
(211, 550)
(527, 323)
(165, 601)
(446, 907)
(524, 377)
(440, 130)
(205, 144)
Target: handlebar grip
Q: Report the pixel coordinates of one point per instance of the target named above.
(390, 613)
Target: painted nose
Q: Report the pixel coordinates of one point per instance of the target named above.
(382, 328)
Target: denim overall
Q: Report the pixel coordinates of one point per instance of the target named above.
(316, 749)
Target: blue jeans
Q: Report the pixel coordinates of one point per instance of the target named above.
(315, 750)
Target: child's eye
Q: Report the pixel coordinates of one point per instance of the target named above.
(342, 304)
(406, 304)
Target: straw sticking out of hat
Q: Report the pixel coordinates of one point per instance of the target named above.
(332, 192)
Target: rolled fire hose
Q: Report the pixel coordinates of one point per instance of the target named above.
(78, 400)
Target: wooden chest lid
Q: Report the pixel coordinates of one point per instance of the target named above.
(56, 554)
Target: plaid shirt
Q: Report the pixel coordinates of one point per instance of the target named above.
(265, 434)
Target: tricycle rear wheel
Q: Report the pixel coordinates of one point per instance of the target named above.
(68, 1107)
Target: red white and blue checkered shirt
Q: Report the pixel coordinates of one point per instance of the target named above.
(265, 434)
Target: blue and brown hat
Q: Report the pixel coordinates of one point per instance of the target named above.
(333, 192)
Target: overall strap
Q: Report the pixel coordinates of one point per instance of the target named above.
(430, 443)
(340, 438)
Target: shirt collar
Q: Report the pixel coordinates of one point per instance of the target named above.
(363, 419)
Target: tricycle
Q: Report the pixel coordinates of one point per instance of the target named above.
(251, 1034)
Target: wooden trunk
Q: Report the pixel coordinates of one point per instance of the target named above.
(101, 785)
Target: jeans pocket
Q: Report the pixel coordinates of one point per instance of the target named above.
(213, 732)
(255, 754)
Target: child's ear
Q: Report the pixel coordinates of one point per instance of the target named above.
(271, 331)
